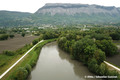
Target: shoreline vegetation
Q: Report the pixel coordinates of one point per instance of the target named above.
(91, 50)
(22, 70)
(8, 58)
(91, 47)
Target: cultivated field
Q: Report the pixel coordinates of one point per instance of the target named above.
(17, 42)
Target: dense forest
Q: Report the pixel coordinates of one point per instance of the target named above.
(91, 47)
(14, 19)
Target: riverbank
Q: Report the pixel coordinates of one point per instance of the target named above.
(112, 67)
(55, 64)
(114, 59)
(19, 60)
(30, 60)
(91, 53)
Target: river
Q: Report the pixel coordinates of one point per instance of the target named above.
(115, 59)
(55, 64)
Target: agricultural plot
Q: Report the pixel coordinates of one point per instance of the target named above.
(16, 43)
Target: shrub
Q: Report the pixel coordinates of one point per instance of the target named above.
(4, 37)
(92, 65)
(107, 46)
(103, 69)
(33, 63)
(113, 73)
(35, 41)
(21, 74)
(99, 55)
(28, 68)
(115, 36)
(23, 34)
(24, 49)
(100, 36)
(9, 53)
(21, 51)
(2, 64)
(11, 36)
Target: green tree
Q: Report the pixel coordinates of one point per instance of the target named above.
(67, 46)
(23, 34)
(99, 55)
(92, 65)
(77, 49)
(79, 46)
(70, 36)
(115, 36)
(21, 74)
(61, 42)
(9, 53)
(11, 35)
(114, 73)
(28, 68)
(103, 70)
(89, 52)
(100, 36)
(107, 46)
(4, 37)
(35, 41)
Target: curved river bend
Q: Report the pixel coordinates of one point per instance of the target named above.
(55, 64)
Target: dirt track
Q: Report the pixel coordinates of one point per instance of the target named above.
(16, 43)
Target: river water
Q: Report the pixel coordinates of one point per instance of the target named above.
(115, 59)
(55, 64)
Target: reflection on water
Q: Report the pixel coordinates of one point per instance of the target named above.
(55, 64)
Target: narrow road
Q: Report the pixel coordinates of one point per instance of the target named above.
(18, 61)
(116, 68)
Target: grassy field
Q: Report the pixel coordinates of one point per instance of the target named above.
(29, 59)
(16, 43)
(7, 61)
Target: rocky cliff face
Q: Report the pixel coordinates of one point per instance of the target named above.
(62, 14)
(72, 9)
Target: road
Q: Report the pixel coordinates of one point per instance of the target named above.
(114, 67)
(31, 49)
(18, 60)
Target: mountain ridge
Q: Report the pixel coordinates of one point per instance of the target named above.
(14, 18)
(62, 14)
(71, 9)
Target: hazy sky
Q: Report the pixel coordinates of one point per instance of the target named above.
(34, 5)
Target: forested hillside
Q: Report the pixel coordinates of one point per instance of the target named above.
(62, 14)
(14, 19)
